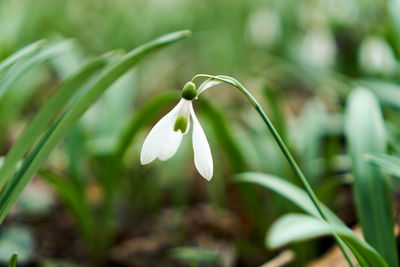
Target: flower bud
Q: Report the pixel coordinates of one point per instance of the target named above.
(189, 91)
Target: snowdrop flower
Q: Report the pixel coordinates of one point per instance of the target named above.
(376, 56)
(165, 137)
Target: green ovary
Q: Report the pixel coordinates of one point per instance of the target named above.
(180, 124)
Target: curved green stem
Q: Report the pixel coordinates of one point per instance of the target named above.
(284, 149)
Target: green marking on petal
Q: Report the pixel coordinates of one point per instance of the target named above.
(180, 124)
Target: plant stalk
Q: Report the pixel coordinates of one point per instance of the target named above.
(285, 151)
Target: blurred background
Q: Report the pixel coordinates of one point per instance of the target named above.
(298, 58)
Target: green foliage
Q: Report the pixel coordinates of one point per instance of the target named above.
(61, 127)
(312, 54)
(365, 254)
(294, 228)
(56, 104)
(366, 134)
(390, 164)
(18, 70)
(13, 260)
(196, 255)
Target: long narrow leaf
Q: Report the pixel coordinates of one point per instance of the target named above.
(13, 260)
(69, 119)
(294, 228)
(394, 9)
(388, 93)
(365, 254)
(20, 54)
(73, 199)
(55, 104)
(299, 227)
(223, 134)
(18, 70)
(366, 134)
(388, 163)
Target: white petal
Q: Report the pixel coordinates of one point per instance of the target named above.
(155, 141)
(202, 153)
(185, 112)
(171, 145)
(206, 85)
(175, 138)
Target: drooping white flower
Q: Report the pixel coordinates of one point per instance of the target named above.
(376, 56)
(165, 137)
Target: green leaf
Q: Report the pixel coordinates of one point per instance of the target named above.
(300, 227)
(388, 93)
(196, 254)
(20, 54)
(55, 104)
(388, 163)
(365, 254)
(288, 190)
(366, 134)
(294, 228)
(17, 71)
(393, 7)
(13, 260)
(61, 128)
(73, 199)
(222, 131)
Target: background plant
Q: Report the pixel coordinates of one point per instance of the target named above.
(302, 68)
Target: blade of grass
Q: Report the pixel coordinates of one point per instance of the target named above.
(73, 199)
(388, 93)
(388, 163)
(223, 134)
(71, 116)
(366, 134)
(55, 104)
(365, 254)
(196, 254)
(20, 54)
(394, 9)
(17, 71)
(13, 260)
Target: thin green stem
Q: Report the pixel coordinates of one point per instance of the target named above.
(284, 149)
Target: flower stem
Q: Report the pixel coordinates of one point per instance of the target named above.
(284, 149)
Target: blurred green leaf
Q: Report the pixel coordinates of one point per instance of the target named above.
(387, 92)
(74, 200)
(294, 228)
(58, 263)
(388, 163)
(55, 104)
(366, 134)
(13, 260)
(17, 71)
(195, 254)
(61, 128)
(393, 7)
(21, 54)
(365, 254)
(223, 133)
